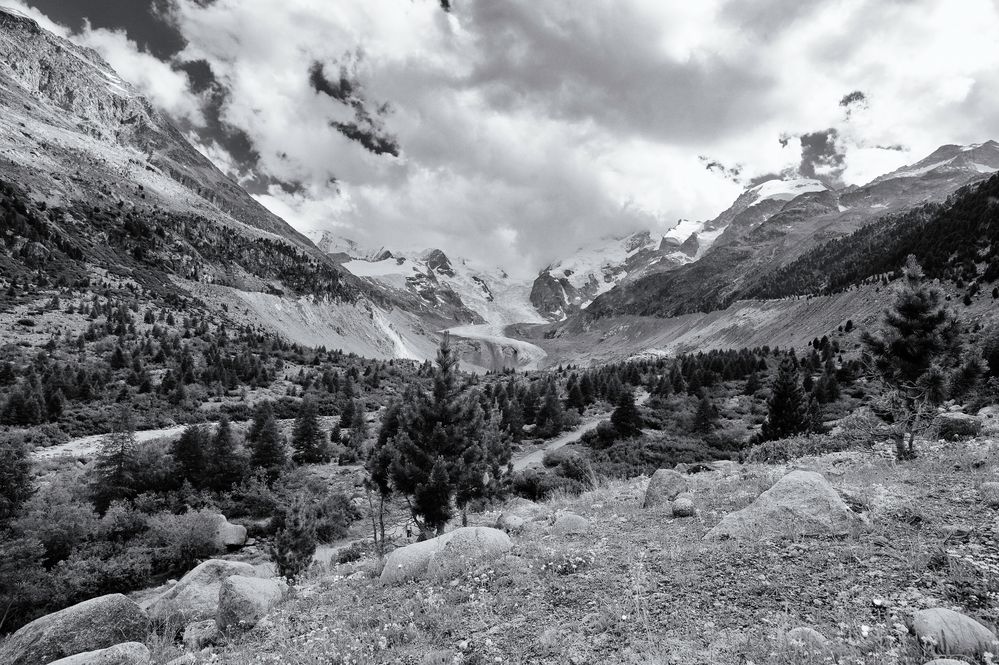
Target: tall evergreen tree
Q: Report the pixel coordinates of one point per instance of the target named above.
(307, 438)
(224, 460)
(294, 538)
(15, 478)
(267, 448)
(191, 455)
(706, 415)
(787, 408)
(114, 467)
(625, 418)
(912, 351)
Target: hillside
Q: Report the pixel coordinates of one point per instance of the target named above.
(754, 247)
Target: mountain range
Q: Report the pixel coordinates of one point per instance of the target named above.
(99, 184)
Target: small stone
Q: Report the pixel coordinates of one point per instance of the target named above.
(570, 523)
(683, 506)
(807, 638)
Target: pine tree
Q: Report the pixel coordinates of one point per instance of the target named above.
(223, 461)
(787, 408)
(550, 418)
(917, 342)
(307, 438)
(294, 539)
(430, 450)
(625, 418)
(752, 384)
(267, 448)
(190, 454)
(575, 398)
(705, 417)
(114, 467)
(15, 478)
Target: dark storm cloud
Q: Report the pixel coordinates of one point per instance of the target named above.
(144, 21)
(609, 65)
(367, 128)
(729, 172)
(820, 157)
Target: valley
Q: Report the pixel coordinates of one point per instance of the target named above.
(765, 433)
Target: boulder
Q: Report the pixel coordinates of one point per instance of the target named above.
(952, 634)
(989, 492)
(683, 506)
(466, 549)
(510, 523)
(800, 503)
(228, 536)
(201, 634)
(196, 596)
(956, 425)
(97, 623)
(413, 561)
(243, 601)
(127, 653)
(570, 523)
(806, 638)
(664, 486)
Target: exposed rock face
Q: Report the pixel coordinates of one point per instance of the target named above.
(510, 523)
(800, 503)
(128, 653)
(570, 523)
(952, 633)
(664, 486)
(196, 596)
(413, 561)
(439, 263)
(243, 601)
(690, 245)
(97, 623)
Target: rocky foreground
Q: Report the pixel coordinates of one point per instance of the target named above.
(848, 557)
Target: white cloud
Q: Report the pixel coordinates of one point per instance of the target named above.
(529, 127)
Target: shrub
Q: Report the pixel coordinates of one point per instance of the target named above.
(294, 538)
(180, 541)
(785, 450)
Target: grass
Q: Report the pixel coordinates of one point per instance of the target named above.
(642, 588)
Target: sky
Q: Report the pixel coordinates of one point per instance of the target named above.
(513, 131)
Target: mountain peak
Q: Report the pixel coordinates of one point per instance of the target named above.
(785, 190)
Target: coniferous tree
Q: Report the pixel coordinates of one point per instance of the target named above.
(706, 416)
(294, 538)
(575, 398)
(307, 438)
(15, 478)
(787, 408)
(625, 418)
(223, 462)
(190, 454)
(114, 466)
(267, 448)
(911, 353)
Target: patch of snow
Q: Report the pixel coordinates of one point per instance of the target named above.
(785, 190)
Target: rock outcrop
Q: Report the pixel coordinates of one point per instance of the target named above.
(196, 596)
(127, 653)
(956, 425)
(570, 523)
(801, 503)
(243, 601)
(471, 544)
(97, 623)
(664, 486)
(228, 535)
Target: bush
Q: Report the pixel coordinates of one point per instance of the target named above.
(180, 541)
(539, 485)
(785, 450)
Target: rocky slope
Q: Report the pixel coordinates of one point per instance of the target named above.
(760, 239)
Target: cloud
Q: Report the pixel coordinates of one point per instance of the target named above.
(511, 131)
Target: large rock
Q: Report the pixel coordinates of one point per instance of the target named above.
(413, 561)
(97, 623)
(196, 596)
(800, 503)
(664, 486)
(570, 523)
(227, 535)
(128, 653)
(952, 634)
(956, 425)
(243, 601)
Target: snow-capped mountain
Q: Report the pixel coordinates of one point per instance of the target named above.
(456, 290)
(571, 284)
